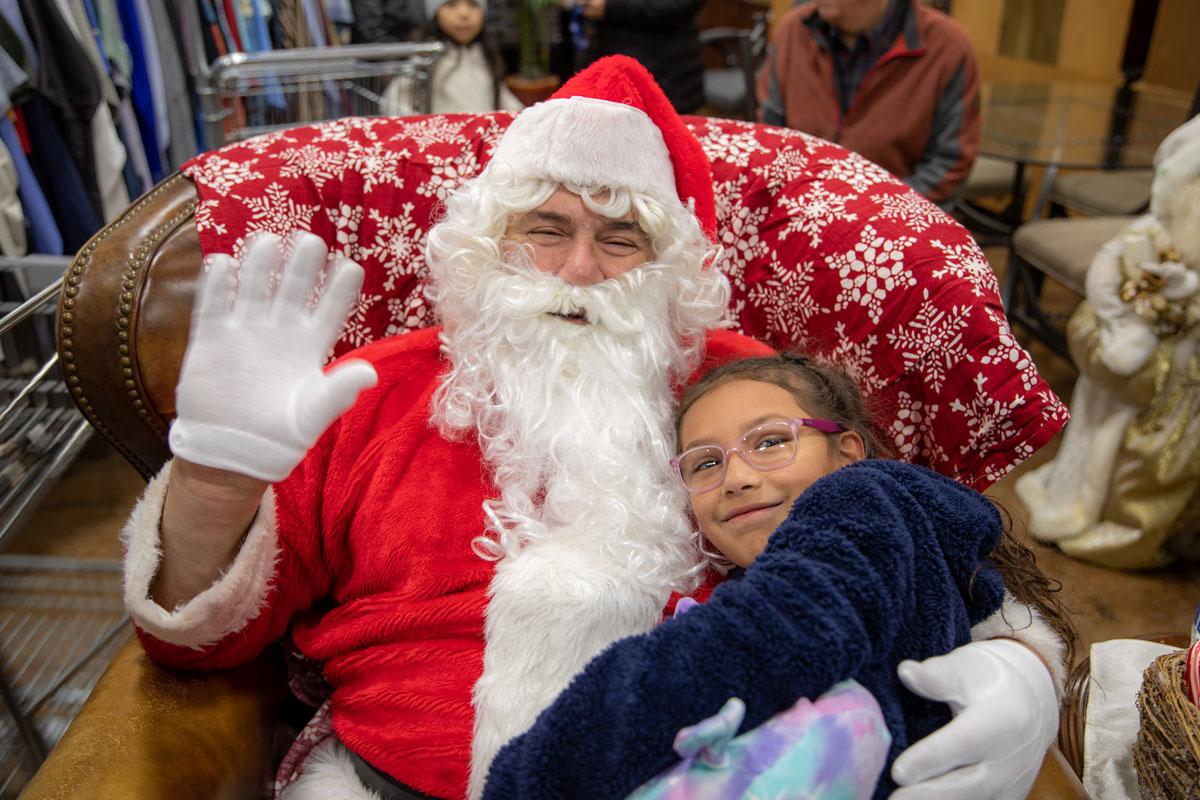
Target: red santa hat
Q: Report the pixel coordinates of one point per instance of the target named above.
(611, 126)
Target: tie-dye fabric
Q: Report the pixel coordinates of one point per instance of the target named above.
(833, 749)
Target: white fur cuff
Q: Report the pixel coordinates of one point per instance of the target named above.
(223, 608)
(1015, 620)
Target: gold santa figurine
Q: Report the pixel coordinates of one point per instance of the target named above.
(1124, 488)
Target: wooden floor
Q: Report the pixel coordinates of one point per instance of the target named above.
(83, 515)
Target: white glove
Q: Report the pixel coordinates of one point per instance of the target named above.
(1005, 718)
(252, 397)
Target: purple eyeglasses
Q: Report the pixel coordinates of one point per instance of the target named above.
(765, 447)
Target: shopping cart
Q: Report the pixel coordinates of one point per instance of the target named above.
(61, 619)
(247, 94)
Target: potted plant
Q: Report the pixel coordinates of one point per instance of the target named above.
(533, 81)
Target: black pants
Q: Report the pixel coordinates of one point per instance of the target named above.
(379, 781)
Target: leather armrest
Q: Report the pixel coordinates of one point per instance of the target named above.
(147, 732)
(1056, 780)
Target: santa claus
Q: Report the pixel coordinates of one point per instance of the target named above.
(454, 521)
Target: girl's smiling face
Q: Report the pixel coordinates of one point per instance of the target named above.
(741, 513)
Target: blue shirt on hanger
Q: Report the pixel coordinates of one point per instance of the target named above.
(143, 98)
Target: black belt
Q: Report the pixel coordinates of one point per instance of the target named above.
(379, 781)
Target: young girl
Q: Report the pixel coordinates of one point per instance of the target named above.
(468, 77)
(845, 565)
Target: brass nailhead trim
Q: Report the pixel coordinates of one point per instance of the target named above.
(79, 266)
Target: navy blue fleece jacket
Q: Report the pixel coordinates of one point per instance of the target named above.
(877, 562)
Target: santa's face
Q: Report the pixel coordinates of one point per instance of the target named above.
(580, 246)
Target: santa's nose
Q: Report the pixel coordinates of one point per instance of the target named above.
(579, 266)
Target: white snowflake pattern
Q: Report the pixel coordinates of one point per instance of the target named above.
(1052, 408)
(989, 424)
(739, 239)
(357, 332)
(812, 211)
(931, 341)
(432, 130)
(490, 136)
(858, 360)
(911, 430)
(871, 271)
(346, 220)
(448, 174)
(267, 142)
(204, 217)
(341, 129)
(317, 164)
(856, 171)
(790, 164)
(911, 210)
(1008, 351)
(409, 313)
(397, 245)
(733, 315)
(967, 261)
(787, 300)
(275, 211)
(378, 164)
(222, 175)
(732, 148)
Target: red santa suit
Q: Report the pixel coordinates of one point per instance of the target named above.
(379, 518)
(365, 549)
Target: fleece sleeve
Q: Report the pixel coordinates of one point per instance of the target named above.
(827, 596)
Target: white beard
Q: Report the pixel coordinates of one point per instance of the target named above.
(576, 421)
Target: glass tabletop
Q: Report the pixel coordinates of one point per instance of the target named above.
(1076, 125)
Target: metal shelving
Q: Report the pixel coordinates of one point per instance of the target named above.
(61, 620)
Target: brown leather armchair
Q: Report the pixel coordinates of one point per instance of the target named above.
(147, 732)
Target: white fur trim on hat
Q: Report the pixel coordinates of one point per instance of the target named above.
(1015, 620)
(588, 142)
(221, 609)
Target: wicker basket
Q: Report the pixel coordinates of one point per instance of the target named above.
(1166, 755)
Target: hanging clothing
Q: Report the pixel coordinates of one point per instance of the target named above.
(181, 143)
(158, 89)
(56, 173)
(44, 236)
(14, 82)
(185, 23)
(12, 14)
(139, 79)
(108, 151)
(113, 37)
(131, 134)
(12, 218)
(70, 87)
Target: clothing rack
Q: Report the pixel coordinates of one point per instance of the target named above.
(91, 93)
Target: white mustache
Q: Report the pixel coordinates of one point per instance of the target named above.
(525, 292)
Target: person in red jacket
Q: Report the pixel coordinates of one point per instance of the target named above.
(893, 80)
(454, 521)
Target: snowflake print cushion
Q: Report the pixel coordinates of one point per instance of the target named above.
(827, 253)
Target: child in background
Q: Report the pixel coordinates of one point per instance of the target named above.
(468, 77)
(845, 566)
